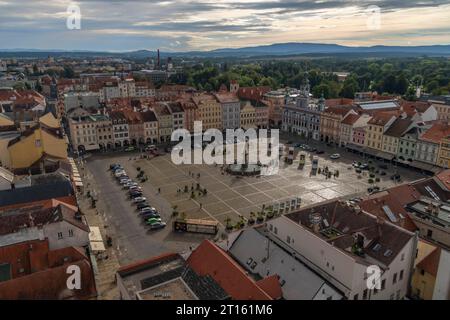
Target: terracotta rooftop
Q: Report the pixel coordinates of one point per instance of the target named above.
(351, 119)
(338, 102)
(38, 273)
(436, 133)
(209, 259)
(382, 118)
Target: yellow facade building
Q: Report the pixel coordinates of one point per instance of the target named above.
(443, 159)
(248, 115)
(34, 146)
(209, 111)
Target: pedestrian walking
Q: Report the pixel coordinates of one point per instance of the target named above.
(159, 190)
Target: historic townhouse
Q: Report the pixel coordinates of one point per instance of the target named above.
(120, 128)
(209, 111)
(379, 123)
(135, 126)
(177, 115)
(427, 146)
(189, 112)
(391, 138)
(303, 117)
(444, 152)
(330, 123)
(347, 128)
(276, 100)
(91, 132)
(165, 121)
(262, 115)
(231, 109)
(104, 131)
(144, 89)
(248, 115)
(359, 131)
(339, 241)
(150, 127)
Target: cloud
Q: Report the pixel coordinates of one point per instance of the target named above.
(208, 24)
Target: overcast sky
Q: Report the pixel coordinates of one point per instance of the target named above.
(181, 25)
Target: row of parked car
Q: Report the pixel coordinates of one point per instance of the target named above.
(149, 215)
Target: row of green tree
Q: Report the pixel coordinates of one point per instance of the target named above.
(399, 76)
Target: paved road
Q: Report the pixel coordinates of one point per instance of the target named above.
(131, 238)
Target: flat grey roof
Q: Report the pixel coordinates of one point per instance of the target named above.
(298, 281)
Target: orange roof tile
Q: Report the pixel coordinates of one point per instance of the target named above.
(436, 133)
(208, 259)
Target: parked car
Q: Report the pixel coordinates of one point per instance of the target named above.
(382, 173)
(355, 164)
(151, 148)
(142, 205)
(335, 156)
(364, 166)
(124, 181)
(115, 166)
(148, 209)
(135, 195)
(139, 199)
(151, 221)
(119, 173)
(129, 149)
(320, 152)
(157, 225)
(150, 215)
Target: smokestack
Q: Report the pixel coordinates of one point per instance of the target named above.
(159, 61)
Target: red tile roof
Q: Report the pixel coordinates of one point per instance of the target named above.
(40, 273)
(444, 178)
(271, 285)
(338, 102)
(351, 119)
(208, 259)
(436, 133)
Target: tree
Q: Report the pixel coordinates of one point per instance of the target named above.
(349, 88)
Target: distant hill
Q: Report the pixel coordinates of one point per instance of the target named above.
(279, 49)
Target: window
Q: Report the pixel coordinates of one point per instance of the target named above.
(355, 297)
(70, 233)
(394, 280)
(397, 296)
(288, 239)
(60, 235)
(275, 230)
(401, 275)
(5, 272)
(365, 294)
(383, 284)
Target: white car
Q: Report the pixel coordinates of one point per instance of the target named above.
(335, 156)
(120, 173)
(139, 199)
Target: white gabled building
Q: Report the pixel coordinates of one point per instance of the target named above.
(340, 242)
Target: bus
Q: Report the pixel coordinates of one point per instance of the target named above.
(196, 226)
